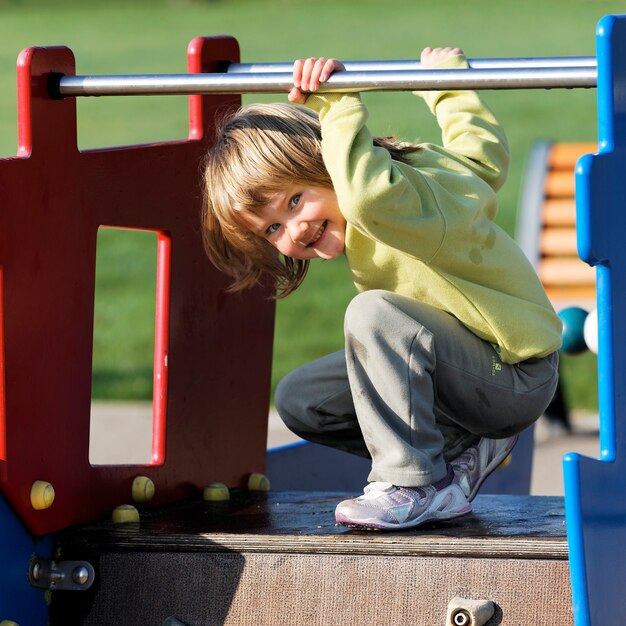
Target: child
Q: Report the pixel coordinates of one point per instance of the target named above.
(450, 345)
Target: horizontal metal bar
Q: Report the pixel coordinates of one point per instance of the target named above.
(413, 64)
(346, 81)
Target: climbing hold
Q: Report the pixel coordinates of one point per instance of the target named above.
(143, 489)
(125, 514)
(258, 482)
(216, 492)
(41, 495)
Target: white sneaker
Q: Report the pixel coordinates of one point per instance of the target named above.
(472, 467)
(384, 506)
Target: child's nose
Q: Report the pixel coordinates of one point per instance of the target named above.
(297, 230)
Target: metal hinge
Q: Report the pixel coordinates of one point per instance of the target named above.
(64, 575)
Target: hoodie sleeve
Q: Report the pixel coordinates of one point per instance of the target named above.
(469, 129)
(399, 204)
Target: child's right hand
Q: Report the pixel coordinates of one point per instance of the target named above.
(309, 73)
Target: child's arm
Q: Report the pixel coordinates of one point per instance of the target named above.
(398, 204)
(469, 129)
(468, 126)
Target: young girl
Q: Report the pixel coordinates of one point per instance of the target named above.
(450, 345)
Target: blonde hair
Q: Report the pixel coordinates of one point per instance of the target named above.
(258, 151)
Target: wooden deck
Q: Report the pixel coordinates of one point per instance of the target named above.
(279, 558)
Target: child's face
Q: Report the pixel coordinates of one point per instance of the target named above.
(302, 222)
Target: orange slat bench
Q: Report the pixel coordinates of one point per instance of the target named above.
(546, 226)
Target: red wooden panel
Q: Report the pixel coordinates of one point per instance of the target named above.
(53, 198)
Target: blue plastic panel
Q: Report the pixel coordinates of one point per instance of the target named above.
(19, 602)
(312, 467)
(595, 497)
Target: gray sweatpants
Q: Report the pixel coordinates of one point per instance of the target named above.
(412, 390)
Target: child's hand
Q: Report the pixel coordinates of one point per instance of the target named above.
(309, 73)
(433, 56)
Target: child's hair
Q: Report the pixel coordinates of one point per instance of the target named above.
(258, 151)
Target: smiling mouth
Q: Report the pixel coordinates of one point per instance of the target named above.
(318, 234)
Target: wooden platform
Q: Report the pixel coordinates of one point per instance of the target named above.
(279, 558)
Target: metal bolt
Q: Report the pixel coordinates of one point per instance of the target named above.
(36, 571)
(462, 618)
(80, 575)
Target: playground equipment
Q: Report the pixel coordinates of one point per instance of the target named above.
(227, 554)
(531, 73)
(574, 319)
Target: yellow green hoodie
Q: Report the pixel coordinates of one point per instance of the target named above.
(426, 230)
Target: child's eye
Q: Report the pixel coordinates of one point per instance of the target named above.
(272, 229)
(293, 203)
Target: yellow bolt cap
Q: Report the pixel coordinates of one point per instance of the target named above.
(216, 492)
(258, 482)
(41, 495)
(125, 514)
(143, 489)
(8, 622)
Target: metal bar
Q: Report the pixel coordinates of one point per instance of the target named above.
(413, 64)
(347, 81)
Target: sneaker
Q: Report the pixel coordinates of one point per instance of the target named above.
(384, 506)
(472, 467)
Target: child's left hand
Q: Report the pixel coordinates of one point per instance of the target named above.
(431, 57)
(309, 73)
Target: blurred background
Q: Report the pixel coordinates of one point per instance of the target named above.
(141, 36)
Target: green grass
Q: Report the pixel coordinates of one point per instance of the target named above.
(125, 297)
(140, 36)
